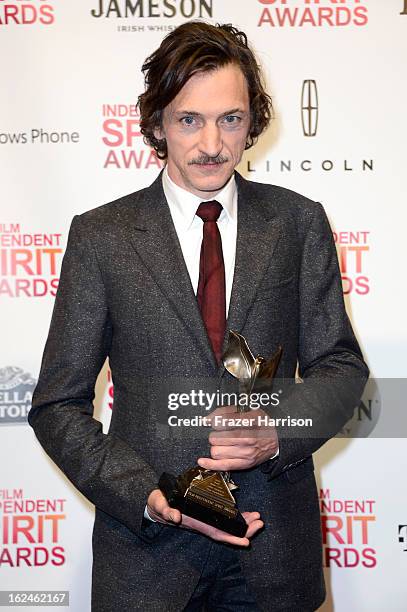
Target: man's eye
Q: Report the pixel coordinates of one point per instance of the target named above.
(188, 120)
(231, 119)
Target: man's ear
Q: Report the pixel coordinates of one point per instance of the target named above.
(159, 133)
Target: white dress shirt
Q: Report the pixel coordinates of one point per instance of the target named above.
(183, 206)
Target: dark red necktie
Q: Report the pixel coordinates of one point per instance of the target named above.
(211, 292)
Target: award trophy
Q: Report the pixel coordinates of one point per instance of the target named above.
(207, 495)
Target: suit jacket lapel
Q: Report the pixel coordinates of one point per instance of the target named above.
(151, 231)
(258, 232)
(153, 236)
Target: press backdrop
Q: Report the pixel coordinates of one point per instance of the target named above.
(69, 141)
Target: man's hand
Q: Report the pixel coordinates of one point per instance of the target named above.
(236, 446)
(159, 510)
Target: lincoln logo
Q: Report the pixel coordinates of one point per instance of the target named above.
(309, 107)
(403, 536)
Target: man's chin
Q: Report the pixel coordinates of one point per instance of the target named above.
(212, 183)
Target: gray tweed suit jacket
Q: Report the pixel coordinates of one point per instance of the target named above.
(125, 293)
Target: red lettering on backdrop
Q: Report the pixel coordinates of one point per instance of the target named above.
(26, 14)
(278, 13)
(124, 140)
(346, 531)
(30, 535)
(28, 272)
(353, 250)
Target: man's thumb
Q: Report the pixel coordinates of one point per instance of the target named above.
(172, 515)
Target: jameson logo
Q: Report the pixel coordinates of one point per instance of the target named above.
(16, 389)
(122, 9)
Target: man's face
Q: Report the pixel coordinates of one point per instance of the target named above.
(206, 126)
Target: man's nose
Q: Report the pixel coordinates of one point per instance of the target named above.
(211, 140)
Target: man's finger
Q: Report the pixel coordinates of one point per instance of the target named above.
(223, 465)
(253, 528)
(249, 517)
(168, 515)
(233, 438)
(223, 410)
(159, 510)
(254, 523)
(217, 534)
(233, 452)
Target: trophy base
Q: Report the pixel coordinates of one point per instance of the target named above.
(205, 496)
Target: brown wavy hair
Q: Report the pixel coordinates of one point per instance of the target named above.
(191, 48)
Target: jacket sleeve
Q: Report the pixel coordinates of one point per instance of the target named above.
(103, 467)
(329, 358)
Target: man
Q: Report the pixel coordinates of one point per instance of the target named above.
(147, 280)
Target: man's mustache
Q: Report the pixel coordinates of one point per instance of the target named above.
(206, 159)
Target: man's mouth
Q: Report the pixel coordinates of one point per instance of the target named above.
(208, 161)
(210, 167)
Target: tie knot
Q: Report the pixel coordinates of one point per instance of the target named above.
(209, 211)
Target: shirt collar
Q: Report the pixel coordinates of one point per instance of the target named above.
(184, 204)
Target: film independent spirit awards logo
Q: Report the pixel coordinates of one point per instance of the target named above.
(313, 13)
(16, 390)
(28, 13)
